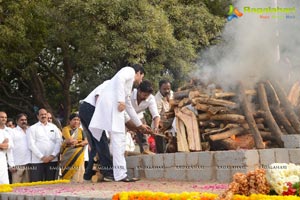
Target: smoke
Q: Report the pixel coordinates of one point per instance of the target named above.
(255, 47)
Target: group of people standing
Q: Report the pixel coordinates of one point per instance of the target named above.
(105, 112)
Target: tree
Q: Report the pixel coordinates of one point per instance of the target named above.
(55, 52)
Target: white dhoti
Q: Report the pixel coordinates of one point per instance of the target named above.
(3, 169)
(118, 145)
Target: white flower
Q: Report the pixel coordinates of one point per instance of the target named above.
(278, 174)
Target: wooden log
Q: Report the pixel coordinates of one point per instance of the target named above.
(241, 142)
(259, 126)
(201, 107)
(250, 119)
(210, 109)
(294, 93)
(181, 94)
(259, 120)
(193, 94)
(219, 95)
(224, 95)
(203, 117)
(273, 126)
(222, 117)
(216, 109)
(226, 134)
(282, 120)
(211, 124)
(219, 130)
(213, 101)
(229, 117)
(292, 117)
(184, 102)
(276, 110)
(267, 135)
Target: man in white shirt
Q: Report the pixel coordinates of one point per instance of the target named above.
(109, 115)
(86, 111)
(21, 151)
(142, 99)
(163, 97)
(44, 141)
(5, 149)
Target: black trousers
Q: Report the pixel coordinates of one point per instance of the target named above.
(101, 147)
(44, 171)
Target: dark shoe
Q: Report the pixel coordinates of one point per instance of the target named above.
(108, 179)
(127, 179)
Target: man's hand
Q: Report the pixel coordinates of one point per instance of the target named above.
(145, 129)
(121, 106)
(47, 159)
(12, 169)
(4, 144)
(156, 130)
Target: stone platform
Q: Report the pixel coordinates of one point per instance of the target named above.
(207, 166)
(208, 171)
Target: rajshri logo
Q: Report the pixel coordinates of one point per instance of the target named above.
(233, 13)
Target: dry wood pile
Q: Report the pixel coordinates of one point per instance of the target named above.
(244, 118)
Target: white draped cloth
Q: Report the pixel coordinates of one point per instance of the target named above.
(5, 155)
(106, 115)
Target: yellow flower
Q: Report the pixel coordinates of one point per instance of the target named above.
(9, 187)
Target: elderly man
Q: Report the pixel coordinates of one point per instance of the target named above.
(163, 97)
(44, 141)
(109, 115)
(21, 151)
(5, 149)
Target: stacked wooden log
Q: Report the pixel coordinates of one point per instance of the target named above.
(242, 118)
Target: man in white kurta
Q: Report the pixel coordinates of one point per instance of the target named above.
(109, 115)
(21, 151)
(86, 111)
(5, 149)
(44, 141)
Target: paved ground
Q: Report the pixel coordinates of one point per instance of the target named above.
(105, 190)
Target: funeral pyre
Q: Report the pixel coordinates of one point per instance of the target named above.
(244, 118)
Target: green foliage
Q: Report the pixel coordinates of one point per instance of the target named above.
(54, 52)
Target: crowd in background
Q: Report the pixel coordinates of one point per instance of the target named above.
(43, 152)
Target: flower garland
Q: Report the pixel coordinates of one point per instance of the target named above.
(284, 178)
(148, 195)
(9, 187)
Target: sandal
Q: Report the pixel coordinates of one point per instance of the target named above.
(127, 179)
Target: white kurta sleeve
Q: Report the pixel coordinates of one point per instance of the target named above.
(131, 112)
(158, 102)
(127, 118)
(9, 152)
(153, 107)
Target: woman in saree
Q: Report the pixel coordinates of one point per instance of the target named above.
(72, 157)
